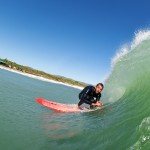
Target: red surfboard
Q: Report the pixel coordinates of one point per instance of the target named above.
(59, 107)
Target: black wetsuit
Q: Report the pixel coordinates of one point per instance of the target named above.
(88, 96)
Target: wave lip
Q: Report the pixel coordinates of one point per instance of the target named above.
(129, 67)
(140, 36)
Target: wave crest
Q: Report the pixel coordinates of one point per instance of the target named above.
(129, 67)
(139, 37)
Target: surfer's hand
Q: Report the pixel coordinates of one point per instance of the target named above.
(100, 103)
(94, 104)
(97, 104)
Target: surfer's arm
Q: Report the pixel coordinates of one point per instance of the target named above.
(85, 96)
(98, 102)
(87, 101)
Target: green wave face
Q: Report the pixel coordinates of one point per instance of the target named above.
(128, 88)
(130, 73)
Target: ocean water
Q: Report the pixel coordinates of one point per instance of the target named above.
(123, 125)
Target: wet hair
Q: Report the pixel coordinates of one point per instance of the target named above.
(101, 84)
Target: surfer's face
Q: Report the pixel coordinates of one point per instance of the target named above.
(98, 89)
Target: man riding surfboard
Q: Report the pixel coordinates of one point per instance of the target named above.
(91, 95)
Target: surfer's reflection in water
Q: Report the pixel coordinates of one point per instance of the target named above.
(91, 95)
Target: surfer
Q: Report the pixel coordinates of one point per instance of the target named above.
(91, 95)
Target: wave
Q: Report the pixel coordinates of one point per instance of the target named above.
(130, 68)
(140, 36)
(144, 135)
(127, 91)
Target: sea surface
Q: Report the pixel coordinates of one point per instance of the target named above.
(124, 124)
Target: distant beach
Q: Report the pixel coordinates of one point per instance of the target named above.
(39, 78)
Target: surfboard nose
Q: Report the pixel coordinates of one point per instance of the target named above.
(39, 100)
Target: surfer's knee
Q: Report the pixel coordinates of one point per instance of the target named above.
(80, 103)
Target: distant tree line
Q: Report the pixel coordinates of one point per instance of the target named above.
(15, 66)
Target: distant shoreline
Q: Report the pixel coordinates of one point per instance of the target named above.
(39, 78)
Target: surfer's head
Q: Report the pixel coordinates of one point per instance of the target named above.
(99, 87)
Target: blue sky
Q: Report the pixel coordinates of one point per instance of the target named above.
(72, 38)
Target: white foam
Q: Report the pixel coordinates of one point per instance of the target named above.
(139, 37)
(123, 51)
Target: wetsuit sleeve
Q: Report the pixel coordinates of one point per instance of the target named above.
(98, 97)
(85, 95)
